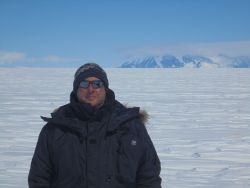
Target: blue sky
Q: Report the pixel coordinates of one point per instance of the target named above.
(110, 32)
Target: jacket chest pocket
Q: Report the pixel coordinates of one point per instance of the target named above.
(66, 156)
(123, 160)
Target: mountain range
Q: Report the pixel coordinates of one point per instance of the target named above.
(188, 61)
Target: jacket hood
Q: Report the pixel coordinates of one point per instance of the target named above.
(61, 118)
(76, 116)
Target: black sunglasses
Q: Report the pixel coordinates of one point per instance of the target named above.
(95, 84)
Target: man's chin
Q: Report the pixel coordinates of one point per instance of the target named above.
(91, 103)
(94, 103)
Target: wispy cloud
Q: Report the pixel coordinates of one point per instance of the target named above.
(9, 57)
(58, 59)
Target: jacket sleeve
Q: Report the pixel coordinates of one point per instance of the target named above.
(40, 173)
(148, 174)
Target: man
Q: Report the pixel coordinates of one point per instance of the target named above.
(94, 141)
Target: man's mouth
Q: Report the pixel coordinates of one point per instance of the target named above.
(91, 97)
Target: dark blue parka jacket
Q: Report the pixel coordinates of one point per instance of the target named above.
(81, 148)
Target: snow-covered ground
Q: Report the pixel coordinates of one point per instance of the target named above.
(200, 120)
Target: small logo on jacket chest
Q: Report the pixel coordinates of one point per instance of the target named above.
(133, 142)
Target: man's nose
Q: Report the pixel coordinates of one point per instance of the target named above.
(90, 88)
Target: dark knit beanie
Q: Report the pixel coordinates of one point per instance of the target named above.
(89, 70)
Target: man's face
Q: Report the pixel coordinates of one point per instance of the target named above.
(94, 96)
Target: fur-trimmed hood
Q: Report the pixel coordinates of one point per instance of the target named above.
(65, 118)
(144, 116)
